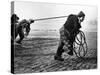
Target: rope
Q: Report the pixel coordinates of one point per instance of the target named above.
(50, 18)
(81, 43)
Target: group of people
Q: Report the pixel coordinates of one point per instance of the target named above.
(68, 32)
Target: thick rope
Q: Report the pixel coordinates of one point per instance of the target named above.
(50, 18)
(81, 44)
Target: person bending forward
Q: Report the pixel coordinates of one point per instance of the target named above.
(67, 34)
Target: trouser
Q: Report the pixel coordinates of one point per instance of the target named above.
(60, 49)
(21, 35)
(15, 32)
(71, 41)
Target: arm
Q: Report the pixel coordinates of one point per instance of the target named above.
(25, 25)
(77, 25)
(82, 19)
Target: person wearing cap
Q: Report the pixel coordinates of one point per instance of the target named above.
(67, 34)
(24, 24)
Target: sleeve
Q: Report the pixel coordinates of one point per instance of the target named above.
(77, 25)
(27, 26)
(23, 23)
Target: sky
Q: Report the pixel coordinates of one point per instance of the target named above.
(35, 10)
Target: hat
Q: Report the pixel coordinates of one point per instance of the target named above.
(81, 13)
(14, 16)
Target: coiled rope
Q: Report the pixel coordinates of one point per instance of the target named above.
(80, 45)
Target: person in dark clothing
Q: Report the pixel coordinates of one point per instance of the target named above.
(67, 34)
(24, 24)
(17, 28)
(14, 22)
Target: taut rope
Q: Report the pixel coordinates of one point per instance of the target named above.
(50, 18)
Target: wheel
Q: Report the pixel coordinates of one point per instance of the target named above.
(80, 46)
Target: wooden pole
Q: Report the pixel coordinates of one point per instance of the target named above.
(49, 18)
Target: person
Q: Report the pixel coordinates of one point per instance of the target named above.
(14, 23)
(24, 24)
(67, 34)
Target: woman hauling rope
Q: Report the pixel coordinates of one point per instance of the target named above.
(67, 34)
(24, 24)
(17, 28)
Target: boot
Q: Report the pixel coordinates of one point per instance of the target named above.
(59, 58)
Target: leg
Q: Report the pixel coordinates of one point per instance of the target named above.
(72, 38)
(71, 49)
(21, 35)
(60, 50)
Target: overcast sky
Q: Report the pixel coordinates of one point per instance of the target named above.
(27, 10)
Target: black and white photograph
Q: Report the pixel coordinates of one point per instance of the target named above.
(51, 37)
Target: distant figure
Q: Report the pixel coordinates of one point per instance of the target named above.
(14, 23)
(67, 34)
(24, 24)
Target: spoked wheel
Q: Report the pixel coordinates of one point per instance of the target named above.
(80, 45)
